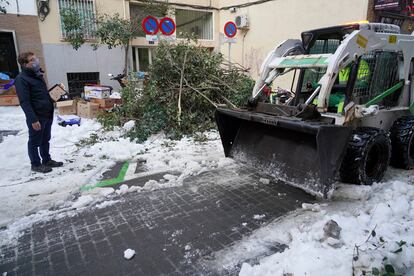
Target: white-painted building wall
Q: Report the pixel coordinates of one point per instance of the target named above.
(22, 7)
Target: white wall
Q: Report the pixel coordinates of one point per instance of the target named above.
(62, 58)
(274, 21)
(26, 7)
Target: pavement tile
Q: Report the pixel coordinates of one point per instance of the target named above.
(202, 215)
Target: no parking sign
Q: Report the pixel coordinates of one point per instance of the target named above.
(230, 29)
(150, 25)
(167, 26)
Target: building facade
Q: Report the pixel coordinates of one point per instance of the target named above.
(398, 12)
(75, 68)
(263, 26)
(272, 22)
(19, 32)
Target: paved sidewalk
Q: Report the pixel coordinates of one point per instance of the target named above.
(172, 230)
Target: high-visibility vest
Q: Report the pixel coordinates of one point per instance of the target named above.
(363, 73)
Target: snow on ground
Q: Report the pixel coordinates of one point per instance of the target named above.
(386, 208)
(23, 192)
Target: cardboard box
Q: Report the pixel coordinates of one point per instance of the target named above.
(104, 103)
(97, 92)
(88, 109)
(56, 92)
(8, 92)
(118, 101)
(9, 100)
(7, 87)
(67, 107)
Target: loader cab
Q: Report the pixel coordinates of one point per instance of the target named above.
(375, 73)
(320, 41)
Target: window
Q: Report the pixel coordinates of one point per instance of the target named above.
(86, 11)
(77, 80)
(199, 23)
(312, 76)
(378, 71)
(327, 46)
(139, 12)
(142, 58)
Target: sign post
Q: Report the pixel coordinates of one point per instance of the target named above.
(230, 30)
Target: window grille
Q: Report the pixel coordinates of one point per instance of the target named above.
(86, 11)
(77, 81)
(327, 46)
(199, 23)
(378, 71)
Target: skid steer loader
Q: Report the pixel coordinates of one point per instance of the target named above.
(346, 115)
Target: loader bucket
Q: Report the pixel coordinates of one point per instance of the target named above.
(306, 155)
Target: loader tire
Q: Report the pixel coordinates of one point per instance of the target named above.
(367, 156)
(402, 140)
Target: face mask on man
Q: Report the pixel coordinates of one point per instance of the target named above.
(36, 65)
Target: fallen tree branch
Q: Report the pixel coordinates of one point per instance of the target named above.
(181, 89)
(224, 83)
(200, 93)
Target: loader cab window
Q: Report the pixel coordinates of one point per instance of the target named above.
(312, 76)
(378, 72)
(327, 46)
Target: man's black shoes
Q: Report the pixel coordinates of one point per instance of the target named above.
(53, 164)
(47, 166)
(41, 169)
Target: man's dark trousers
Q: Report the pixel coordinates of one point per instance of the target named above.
(39, 141)
(38, 107)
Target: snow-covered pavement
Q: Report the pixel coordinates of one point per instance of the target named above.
(377, 222)
(86, 158)
(377, 230)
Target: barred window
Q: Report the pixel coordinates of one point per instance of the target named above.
(139, 12)
(199, 23)
(378, 71)
(86, 11)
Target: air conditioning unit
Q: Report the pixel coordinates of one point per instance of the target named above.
(242, 21)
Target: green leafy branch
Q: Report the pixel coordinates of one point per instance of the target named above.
(73, 26)
(373, 243)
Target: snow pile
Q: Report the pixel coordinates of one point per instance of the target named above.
(82, 201)
(129, 125)
(264, 181)
(374, 233)
(129, 254)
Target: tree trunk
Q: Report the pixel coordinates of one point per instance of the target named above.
(126, 59)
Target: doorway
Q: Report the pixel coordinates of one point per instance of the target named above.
(8, 58)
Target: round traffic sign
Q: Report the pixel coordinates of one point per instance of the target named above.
(167, 26)
(150, 25)
(230, 29)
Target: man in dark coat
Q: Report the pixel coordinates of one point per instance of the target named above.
(38, 108)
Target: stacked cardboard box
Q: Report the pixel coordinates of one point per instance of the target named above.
(56, 92)
(96, 92)
(9, 100)
(78, 107)
(104, 103)
(8, 96)
(67, 107)
(87, 109)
